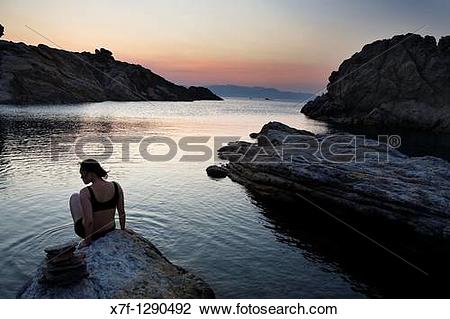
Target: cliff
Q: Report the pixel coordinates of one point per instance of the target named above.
(43, 75)
(402, 82)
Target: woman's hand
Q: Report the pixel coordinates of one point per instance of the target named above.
(84, 243)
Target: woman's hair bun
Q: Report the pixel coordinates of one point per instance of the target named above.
(91, 165)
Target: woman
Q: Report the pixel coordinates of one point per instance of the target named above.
(93, 209)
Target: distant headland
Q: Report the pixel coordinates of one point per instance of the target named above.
(256, 92)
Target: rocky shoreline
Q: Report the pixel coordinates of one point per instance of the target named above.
(402, 82)
(119, 265)
(356, 179)
(43, 75)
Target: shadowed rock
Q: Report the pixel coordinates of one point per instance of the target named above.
(365, 179)
(123, 265)
(401, 82)
(43, 75)
(216, 171)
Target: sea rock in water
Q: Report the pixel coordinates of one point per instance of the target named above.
(43, 75)
(123, 265)
(216, 171)
(402, 82)
(365, 179)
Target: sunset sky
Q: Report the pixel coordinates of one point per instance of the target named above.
(287, 44)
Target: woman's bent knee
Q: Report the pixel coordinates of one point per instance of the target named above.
(75, 206)
(74, 196)
(74, 200)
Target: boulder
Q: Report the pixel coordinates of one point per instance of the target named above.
(216, 171)
(402, 82)
(122, 264)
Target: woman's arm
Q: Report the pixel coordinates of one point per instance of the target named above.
(121, 208)
(88, 220)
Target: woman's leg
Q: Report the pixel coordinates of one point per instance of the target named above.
(75, 207)
(77, 214)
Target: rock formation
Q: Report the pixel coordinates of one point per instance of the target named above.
(123, 265)
(401, 82)
(44, 75)
(355, 178)
(2, 30)
(62, 267)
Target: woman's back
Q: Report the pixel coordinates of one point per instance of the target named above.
(104, 199)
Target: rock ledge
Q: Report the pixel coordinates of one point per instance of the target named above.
(358, 179)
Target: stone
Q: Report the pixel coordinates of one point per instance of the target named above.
(66, 257)
(361, 180)
(121, 264)
(43, 75)
(61, 249)
(62, 267)
(216, 171)
(2, 30)
(402, 82)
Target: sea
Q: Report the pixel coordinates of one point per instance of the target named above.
(242, 246)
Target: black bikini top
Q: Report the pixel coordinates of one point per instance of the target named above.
(96, 205)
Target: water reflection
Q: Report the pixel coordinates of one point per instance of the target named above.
(369, 268)
(414, 143)
(5, 163)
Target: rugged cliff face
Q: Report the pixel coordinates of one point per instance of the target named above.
(400, 82)
(38, 75)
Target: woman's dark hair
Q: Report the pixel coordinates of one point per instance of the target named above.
(92, 166)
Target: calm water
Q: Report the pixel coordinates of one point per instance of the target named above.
(243, 247)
